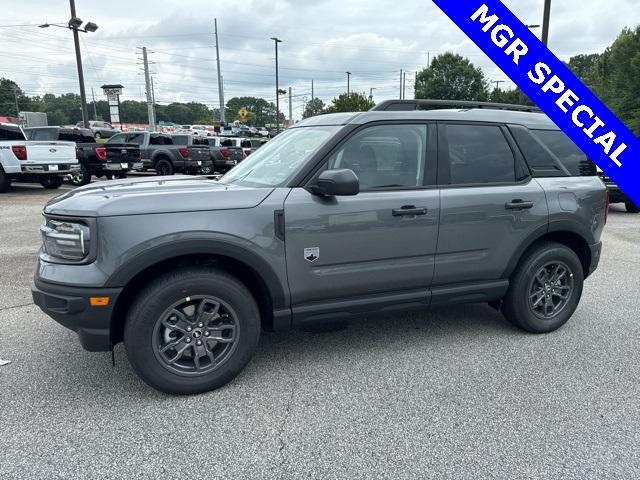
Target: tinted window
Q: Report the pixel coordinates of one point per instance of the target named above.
(180, 140)
(571, 157)
(478, 154)
(9, 132)
(227, 143)
(135, 138)
(385, 156)
(119, 138)
(159, 140)
(73, 136)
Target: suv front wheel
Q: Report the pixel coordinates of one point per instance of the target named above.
(545, 288)
(192, 330)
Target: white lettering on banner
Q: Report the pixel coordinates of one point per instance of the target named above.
(568, 101)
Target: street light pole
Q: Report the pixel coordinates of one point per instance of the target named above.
(276, 40)
(76, 42)
(348, 83)
(545, 22)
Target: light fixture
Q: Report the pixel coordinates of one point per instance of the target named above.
(75, 22)
(91, 27)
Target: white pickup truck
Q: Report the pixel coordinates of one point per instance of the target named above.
(46, 162)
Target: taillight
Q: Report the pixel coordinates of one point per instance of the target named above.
(184, 152)
(247, 151)
(224, 152)
(20, 151)
(102, 153)
(77, 153)
(607, 202)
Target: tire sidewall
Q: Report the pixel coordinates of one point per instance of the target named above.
(5, 181)
(169, 167)
(153, 302)
(517, 302)
(51, 183)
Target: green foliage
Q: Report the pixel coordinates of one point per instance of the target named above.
(513, 97)
(314, 107)
(451, 77)
(353, 102)
(585, 67)
(261, 112)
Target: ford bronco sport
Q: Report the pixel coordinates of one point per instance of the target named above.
(344, 214)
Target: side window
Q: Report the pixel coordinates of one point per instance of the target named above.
(135, 138)
(226, 143)
(385, 156)
(180, 140)
(571, 157)
(119, 138)
(476, 154)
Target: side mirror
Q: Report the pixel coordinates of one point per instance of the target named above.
(342, 182)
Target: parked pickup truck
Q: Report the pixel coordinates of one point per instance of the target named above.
(97, 159)
(224, 157)
(187, 140)
(616, 195)
(160, 153)
(33, 161)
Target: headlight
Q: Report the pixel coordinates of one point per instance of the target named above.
(65, 240)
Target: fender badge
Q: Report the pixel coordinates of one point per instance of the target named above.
(311, 254)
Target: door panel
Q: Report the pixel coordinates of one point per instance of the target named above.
(479, 234)
(356, 245)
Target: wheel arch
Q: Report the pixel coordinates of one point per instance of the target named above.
(253, 271)
(569, 234)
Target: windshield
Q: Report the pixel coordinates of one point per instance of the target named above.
(273, 164)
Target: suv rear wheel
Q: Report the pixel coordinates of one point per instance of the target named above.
(545, 288)
(192, 330)
(632, 207)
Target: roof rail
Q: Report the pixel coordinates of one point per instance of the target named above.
(405, 105)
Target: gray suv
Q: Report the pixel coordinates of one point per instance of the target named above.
(344, 214)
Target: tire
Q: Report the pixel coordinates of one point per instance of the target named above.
(5, 181)
(81, 177)
(527, 288)
(632, 207)
(121, 175)
(97, 136)
(146, 330)
(51, 182)
(163, 167)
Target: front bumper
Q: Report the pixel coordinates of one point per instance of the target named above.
(69, 306)
(54, 169)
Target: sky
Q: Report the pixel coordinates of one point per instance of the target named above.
(322, 39)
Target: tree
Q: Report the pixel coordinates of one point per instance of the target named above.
(585, 67)
(314, 107)
(352, 102)
(451, 77)
(260, 111)
(8, 90)
(513, 97)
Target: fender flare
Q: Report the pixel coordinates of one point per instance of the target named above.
(564, 225)
(202, 243)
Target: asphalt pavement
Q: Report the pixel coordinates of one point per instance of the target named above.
(455, 392)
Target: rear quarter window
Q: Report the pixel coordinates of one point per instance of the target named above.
(9, 132)
(569, 155)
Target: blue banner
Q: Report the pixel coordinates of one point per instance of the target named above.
(552, 86)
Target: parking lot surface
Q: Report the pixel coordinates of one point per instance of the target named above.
(451, 393)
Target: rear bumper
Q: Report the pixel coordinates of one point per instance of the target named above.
(69, 306)
(596, 251)
(54, 169)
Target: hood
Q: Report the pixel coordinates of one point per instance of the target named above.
(138, 196)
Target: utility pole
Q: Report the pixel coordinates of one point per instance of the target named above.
(400, 84)
(498, 82)
(276, 40)
(348, 83)
(312, 95)
(15, 93)
(404, 85)
(220, 88)
(147, 82)
(290, 107)
(153, 99)
(95, 112)
(76, 42)
(371, 93)
(428, 59)
(545, 22)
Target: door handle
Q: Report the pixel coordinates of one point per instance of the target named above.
(409, 210)
(518, 204)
